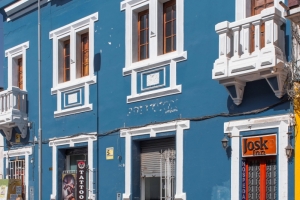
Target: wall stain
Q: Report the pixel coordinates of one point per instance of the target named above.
(163, 106)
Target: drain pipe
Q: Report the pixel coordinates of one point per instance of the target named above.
(40, 103)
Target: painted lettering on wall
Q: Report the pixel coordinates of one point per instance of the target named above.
(259, 145)
(163, 106)
(81, 180)
(243, 180)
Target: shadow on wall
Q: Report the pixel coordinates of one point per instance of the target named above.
(97, 62)
(59, 2)
(257, 95)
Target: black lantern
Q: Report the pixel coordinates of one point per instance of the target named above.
(225, 143)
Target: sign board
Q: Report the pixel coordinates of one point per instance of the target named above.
(17, 138)
(81, 180)
(3, 189)
(262, 145)
(109, 153)
(68, 184)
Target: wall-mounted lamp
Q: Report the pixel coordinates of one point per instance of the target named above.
(289, 149)
(225, 140)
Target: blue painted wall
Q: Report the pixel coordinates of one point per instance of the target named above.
(206, 164)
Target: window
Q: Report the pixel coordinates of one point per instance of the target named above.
(16, 61)
(143, 29)
(170, 26)
(261, 178)
(17, 171)
(17, 165)
(154, 39)
(73, 72)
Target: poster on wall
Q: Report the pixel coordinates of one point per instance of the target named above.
(3, 189)
(81, 180)
(69, 185)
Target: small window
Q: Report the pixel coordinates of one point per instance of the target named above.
(20, 73)
(85, 54)
(17, 171)
(170, 26)
(143, 35)
(66, 60)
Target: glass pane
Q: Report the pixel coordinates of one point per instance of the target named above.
(168, 45)
(271, 180)
(143, 37)
(67, 62)
(152, 188)
(254, 180)
(67, 75)
(67, 49)
(73, 161)
(174, 11)
(174, 27)
(174, 43)
(143, 52)
(168, 29)
(168, 13)
(144, 20)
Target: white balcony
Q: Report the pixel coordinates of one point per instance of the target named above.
(13, 111)
(239, 63)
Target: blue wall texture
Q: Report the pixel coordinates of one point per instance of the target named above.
(207, 167)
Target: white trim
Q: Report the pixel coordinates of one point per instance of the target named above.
(156, 57)
(54, 142)
(153, 130)
(11, 54)
(16, 12)
(235, 127)
(72, 30)
(157, 85)
(75, 103)
(25, 151)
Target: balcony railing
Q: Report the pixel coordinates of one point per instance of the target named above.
(235, 40)
(251, 49)
(12, 100)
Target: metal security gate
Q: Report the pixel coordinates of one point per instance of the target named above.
(158, 169)
(17, 171)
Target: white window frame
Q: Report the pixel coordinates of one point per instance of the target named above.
(243, 8)
(156, 56)
(235, 127)
(26, 151)
(12, 55)
(72, 30)
(153, 130)
(55, 142)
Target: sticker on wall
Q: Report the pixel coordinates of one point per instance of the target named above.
(109, 153)
(17, 138)
(259, 145)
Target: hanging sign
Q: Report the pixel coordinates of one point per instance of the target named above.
(259, 145)
(81, 180)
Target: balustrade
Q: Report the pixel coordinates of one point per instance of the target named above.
(13, 99)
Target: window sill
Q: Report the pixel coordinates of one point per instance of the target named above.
(154, 94)
(155, 62)
(70, 85)
(75, 110)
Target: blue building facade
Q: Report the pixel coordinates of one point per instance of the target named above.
(143, 91)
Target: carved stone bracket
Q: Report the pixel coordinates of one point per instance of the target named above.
(235, 89)
(7, 132)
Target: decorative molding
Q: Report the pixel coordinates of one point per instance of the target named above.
(236, 127)
(11, 54)
(156, 57)
(71, 30)
(86, 138)
(153, 130)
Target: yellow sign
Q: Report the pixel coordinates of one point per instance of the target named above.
(109, 153)
(17, 138)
